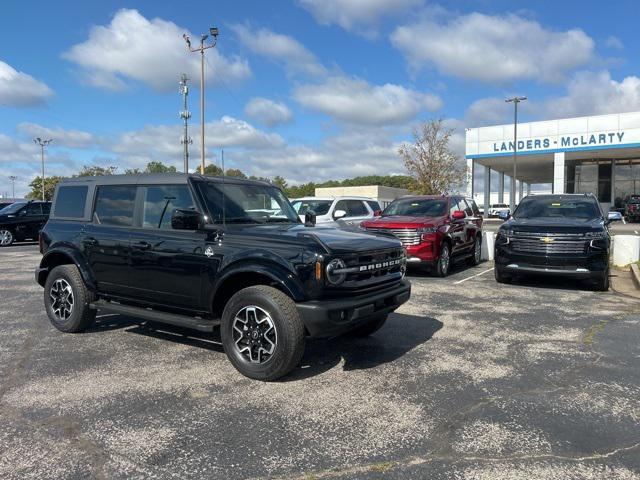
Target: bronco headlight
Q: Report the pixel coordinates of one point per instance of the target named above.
(335, 271)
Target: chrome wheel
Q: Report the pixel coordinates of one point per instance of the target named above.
(254, 334)
(61, 295)
(444, 260)
(478, 251)
(6, 238)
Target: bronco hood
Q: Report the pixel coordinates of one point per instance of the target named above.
(333, 240)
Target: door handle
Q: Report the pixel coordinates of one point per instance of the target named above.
(90, 241)
(142, 245)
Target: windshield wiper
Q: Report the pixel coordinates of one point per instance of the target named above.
(279, 220)
(238, 220)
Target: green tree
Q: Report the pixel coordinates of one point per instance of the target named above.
(49, 187)
(234, 172)
(94, 171)
(132, 171)
(159, 167)
(435, 168)
(212, 170)
(279, 181)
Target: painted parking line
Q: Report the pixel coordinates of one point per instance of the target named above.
(472, 276)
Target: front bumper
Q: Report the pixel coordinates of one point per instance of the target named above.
(590, 265)
(328, 318)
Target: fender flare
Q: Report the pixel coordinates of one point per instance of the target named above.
(285, 277)
(50, 260)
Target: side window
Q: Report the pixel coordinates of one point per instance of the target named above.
(342, 205)
(356, 208)
(374, 205)
(34, 209)
(474, 207)
(70, 201)
(46, 208)
(161, 201)
(462, 203)
(114, 205)
(453, 207)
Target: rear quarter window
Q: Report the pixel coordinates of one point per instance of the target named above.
(70, 201)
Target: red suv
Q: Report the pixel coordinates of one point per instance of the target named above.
(433, 229)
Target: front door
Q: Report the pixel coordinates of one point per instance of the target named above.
(457, 228)
(105, 240)
(166, 264)
(32, 220)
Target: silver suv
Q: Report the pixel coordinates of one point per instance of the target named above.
(338, 211)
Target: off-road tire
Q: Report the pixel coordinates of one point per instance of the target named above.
(370, 327)
(289, 330)
(476, 253)
(501, 277)
(82, 317)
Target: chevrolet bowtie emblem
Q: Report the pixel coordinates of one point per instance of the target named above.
(547, 239)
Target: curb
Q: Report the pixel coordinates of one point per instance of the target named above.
(635, 274)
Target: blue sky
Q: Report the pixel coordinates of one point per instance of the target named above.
(307, 89)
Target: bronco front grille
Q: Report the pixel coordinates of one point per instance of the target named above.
(408, 236)
(373, 267)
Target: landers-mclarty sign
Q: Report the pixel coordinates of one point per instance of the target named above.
(563, 142)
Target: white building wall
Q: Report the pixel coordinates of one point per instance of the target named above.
(558, 172)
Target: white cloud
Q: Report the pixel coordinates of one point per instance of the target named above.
(355, 101)
(359, 15)
(493, 48)
(148, 51)
(594, 93)
(614, 42)
(18, 89)
(280, 48)
(61, 137)
(267, 111)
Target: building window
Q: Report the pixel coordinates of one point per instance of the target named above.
(627, 180)
(589, 176)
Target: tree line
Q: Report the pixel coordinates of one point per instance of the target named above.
(432, 166)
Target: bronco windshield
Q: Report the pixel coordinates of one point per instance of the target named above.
(246, 203)
(558, 207)
(418, 207)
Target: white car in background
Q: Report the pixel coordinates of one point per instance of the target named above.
(337, 211)
(496, 208)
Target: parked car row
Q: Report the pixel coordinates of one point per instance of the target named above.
(22, 221)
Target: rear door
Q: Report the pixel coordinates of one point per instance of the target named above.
(105, 240)
(166, 264)
(34, 220)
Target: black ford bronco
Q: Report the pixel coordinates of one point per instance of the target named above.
(201, 252)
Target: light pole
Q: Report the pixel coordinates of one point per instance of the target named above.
(512, 193)
(185, 114)
(42, 143)
(214, 33)
(13, 179)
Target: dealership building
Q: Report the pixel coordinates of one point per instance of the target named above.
(599, 155)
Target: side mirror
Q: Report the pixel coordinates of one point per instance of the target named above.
(458, 215)
(614, 217)
(339, 214)
(310, 218)
(185, 219)
(22, 213)
(377, 213)
(502, 215)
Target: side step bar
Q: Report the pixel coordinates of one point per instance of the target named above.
(157, 316)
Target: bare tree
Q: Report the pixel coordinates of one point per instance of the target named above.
(429, 160)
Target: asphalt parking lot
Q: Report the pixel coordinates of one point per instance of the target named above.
(468, 380)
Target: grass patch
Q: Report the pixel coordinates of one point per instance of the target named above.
(382, 466)
(593, 331)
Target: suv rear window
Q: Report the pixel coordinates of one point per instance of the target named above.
(375, 206)
(114, 206)
(70, 201)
